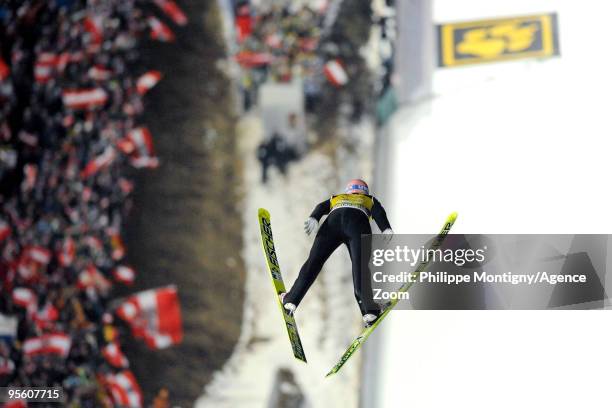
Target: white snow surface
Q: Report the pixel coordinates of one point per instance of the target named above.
(328, 318)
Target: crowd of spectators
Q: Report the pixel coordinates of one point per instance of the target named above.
(68, 98)
(278, 43)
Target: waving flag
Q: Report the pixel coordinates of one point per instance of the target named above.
(147, 81)
(91, 277)
(115, 357)
(38, 254)
(99, 73)
(55, 343)
(160, 31)
(45, 66)
(25, 297)
(335, 73)
(45, 317)
(67, 253)
(100, 162)
(139, 144)
(124, 389)
(251, 59)
(124, 274)
(95, 27)
(173, 11)
(84, 98)
(155, 316)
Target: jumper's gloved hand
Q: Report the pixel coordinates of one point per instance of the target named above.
(310, 225)
(387, 235)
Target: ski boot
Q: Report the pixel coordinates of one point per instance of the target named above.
(289, 307)
(370, 318)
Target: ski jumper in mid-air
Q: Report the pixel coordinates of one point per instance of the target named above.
(348, 219)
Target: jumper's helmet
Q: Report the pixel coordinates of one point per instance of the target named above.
(357, 186)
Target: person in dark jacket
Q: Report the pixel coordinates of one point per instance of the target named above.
(348, 218)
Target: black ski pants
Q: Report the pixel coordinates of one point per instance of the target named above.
(342, 226)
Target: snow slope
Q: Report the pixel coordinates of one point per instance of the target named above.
(328, 318)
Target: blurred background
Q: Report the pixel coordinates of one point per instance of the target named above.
(139, 137)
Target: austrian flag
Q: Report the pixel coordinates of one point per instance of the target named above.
(124, 389)
(114, 356)
(54, 343)
(67, 253)
(160, 31)
(124, 274)
(139, 144)
(155, 316)
(100, 162)
(87, 98)
(147, 81)
(38, 254)
(335, 73)
(172, 10)
(24, 297)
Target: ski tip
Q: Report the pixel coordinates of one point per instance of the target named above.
(453, 216)
(332, 372)
(264, 212)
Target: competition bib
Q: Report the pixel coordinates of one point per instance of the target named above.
(362, 202)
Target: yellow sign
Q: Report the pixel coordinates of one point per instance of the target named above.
(502, 39)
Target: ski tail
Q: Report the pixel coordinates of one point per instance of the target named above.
(267, 240)
(356, 344)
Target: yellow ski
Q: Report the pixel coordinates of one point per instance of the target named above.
(368, 330)
(277, 280)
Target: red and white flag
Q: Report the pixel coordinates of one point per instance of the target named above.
(91, 277)
(45, 66)
(160, 31)
(147, 81)
(139, 144)
(95, 26)
(67, 253)
(173, 11)
(335, 73)
(25, 297)
(100, 162)
(99, 73)
(87, 98)
(38, 254)
(155, 316)
(5, 230)
(124, 274)
(115, 357)
(137, 141)
(124, 389)
(145, 162)
(251, 59)
(54, 343)
(45, 317)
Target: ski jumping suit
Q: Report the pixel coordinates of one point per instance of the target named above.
(349, 218)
